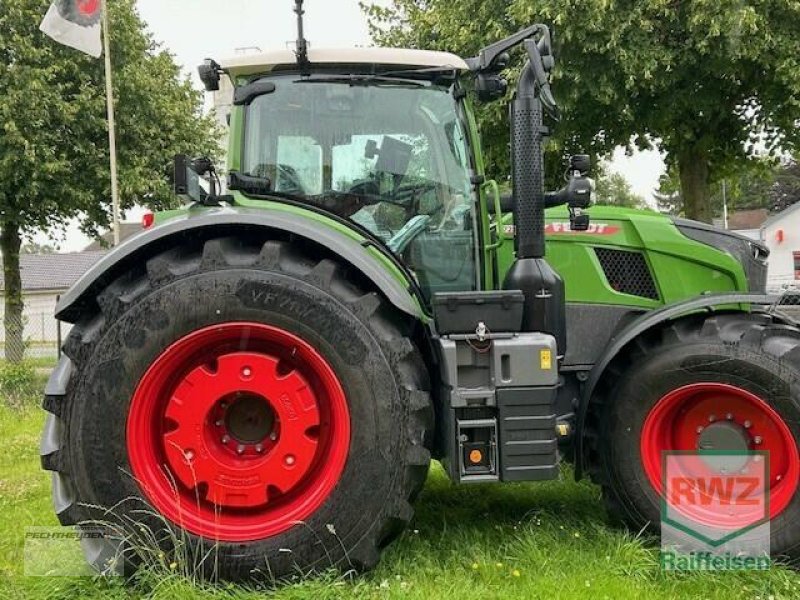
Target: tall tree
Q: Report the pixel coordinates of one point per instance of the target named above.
(612, 189)
(785, 189)
(714, 83)
(771, 185)
(53, 147)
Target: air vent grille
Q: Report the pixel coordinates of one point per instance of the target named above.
(627, 272)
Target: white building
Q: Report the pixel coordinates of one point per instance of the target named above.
(781, 234)
(44, 278)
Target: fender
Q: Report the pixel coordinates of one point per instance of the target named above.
(709, 303)
(230, 220)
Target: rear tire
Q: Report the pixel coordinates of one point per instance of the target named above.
(91, 437)
(743, 361)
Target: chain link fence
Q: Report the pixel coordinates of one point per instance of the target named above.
(41, 339)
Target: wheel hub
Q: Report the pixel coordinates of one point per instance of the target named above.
(728, 437)
(249, 419)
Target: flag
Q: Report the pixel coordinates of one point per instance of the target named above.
(75, 23)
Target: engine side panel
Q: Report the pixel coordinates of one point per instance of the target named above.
(604, 264)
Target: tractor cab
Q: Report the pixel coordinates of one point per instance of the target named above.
(376, 137)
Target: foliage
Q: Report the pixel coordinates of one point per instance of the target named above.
(766, 184)
(612, 189)
(18, 383)
(34, 248)
(785, 189)
(716, 83)
(53, 149)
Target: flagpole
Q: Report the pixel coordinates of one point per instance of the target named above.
(112, 130)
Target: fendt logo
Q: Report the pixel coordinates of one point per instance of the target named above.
(594, 228)
(563, 227)
(715, 510)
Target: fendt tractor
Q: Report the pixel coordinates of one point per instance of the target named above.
(263, 376)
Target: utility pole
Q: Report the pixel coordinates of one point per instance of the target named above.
(112, 131)
(724, 205)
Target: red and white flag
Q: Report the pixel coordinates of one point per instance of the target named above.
(75, 23)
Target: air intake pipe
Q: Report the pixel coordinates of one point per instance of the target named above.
(531, 273)
(527, 160)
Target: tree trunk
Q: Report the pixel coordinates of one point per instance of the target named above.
(693, 172)
(10, 243)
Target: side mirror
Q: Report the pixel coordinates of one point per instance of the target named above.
(582, 163)
(188, 178)
(245, 95)
(210, 72)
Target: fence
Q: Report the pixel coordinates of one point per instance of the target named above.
(41, 338)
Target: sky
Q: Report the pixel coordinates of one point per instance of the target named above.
(196, 29)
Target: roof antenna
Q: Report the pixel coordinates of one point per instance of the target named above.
(302, 45)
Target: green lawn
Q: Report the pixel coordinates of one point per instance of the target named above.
(513, 541)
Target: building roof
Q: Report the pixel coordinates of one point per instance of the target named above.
(778, 216)
(106, 241)
(55, 272)
(251, 64)
(745, 219)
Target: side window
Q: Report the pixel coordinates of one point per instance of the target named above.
(299, 165)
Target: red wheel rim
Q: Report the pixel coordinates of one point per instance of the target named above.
(238, 431)
(677, 420)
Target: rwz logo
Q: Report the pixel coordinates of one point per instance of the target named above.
(725, 491)
(714, 497)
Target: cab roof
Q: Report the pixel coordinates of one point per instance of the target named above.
(391, 57)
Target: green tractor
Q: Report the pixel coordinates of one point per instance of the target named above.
(263, 377)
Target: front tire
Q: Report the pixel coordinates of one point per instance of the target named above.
(737, 372)
(262, 407)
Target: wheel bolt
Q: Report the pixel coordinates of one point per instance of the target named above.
(712, 418)
(226, 438)
(240, 449)
(246, 372)
(747, 424)
(757, 439)
(223, 405)
(189, 454)
(700, 429)
(259, 448)
(729, 416)
(218, 423)
(778, 477)
(273, 436)
(289, 459)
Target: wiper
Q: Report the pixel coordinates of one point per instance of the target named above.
(451, 72)
(364, 80)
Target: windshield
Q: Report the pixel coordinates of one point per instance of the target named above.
(392, 157)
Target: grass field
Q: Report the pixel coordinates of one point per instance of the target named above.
(513, 541)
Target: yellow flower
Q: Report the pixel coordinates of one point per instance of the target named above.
(173, 565)
(499, 565)
(516, 573)
(475, 566)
